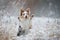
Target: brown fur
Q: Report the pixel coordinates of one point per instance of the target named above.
(28, 14)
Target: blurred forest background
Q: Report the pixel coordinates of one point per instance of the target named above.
(46, 8)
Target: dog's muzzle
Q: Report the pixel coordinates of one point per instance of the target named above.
(25, 16)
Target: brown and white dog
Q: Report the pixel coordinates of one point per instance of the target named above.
(25, 19)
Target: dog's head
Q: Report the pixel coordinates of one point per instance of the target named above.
(25, 14)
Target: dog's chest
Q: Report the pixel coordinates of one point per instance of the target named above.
(25, 24)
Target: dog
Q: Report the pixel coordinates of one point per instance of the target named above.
(25, 19)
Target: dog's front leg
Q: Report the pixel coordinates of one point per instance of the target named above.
(30, 27)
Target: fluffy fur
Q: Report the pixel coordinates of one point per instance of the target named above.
(25, 19)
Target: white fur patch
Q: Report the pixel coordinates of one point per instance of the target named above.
(25, 24)
(25, 12)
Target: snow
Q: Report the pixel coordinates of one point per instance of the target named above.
(10, 25)
(42, 28)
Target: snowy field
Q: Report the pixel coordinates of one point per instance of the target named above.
(43, 28)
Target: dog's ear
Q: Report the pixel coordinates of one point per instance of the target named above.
(21, 11)
(28, 10)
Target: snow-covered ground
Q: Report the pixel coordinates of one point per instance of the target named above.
(9, 25)
(43, 28)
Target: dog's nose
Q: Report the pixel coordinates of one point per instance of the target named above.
(25, 16)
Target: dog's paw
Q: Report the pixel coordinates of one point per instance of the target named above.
(32, 15)
(18, 17)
